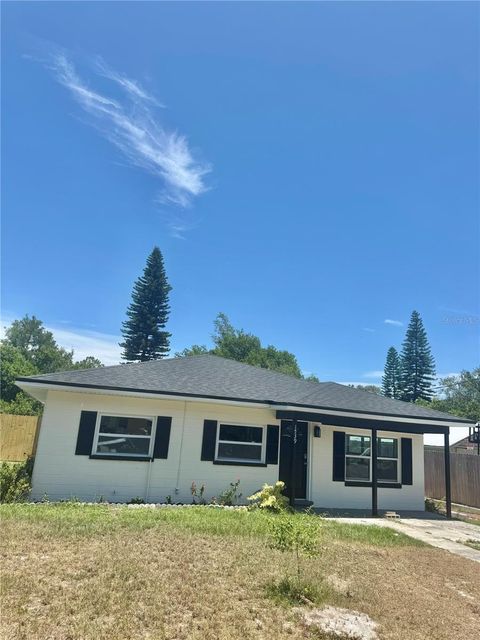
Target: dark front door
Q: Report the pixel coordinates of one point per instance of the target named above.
(293, 466)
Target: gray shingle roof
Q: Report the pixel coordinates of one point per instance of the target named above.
(213, 377)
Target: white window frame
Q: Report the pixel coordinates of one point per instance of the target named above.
(369, 457)
(140, 456)
(263, 427)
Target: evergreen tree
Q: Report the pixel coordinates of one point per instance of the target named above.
(147, 315)
(391, 380)
(418, 365)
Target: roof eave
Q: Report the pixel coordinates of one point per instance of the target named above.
(28, 384)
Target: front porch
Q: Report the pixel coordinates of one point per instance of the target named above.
(295, 457)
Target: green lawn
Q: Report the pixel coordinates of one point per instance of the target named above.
(75, 519)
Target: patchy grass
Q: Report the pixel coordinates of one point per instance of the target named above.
(289, 591)
(475, 544)
(96, 573)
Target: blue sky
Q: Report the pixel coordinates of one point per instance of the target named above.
(310, 169)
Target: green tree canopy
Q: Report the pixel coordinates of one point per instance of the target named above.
(29, 349)
(147, 314)
(458, 395)
(418, 365)
(236, 344)
(392, 376)
(371, 388)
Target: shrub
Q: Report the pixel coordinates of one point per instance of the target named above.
(298, 534)
(15, 480)
(137, 500)
(431, 505)
(270, 497)
(230, 496)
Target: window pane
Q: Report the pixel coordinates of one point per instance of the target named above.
(240, 451)
(387, 470)
(240, 434)
(357, 469)
(387, 447)
(358, 445)
(132, 426)
(119, 444)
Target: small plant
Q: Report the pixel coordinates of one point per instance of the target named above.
(230, 496)
(168, 499)
(15, 480)
(137, 500)
(431, 506)
(270, 497)
(197, 494)
(298, 534)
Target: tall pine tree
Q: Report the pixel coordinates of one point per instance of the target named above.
(418, 365)
(392, 375)
(147, 315)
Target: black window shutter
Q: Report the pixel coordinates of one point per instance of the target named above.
(86, 431)
(209, 440)
(162, 437)
(407, 470)
(338, 456)
(272, 444)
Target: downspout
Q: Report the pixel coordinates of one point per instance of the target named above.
(149, 473)
(177, 482)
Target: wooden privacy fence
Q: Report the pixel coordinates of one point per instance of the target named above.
(18, 436)
(464, 473)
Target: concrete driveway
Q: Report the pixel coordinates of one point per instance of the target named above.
(432, 529)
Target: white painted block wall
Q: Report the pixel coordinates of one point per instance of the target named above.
(60, 474)
(326, 493)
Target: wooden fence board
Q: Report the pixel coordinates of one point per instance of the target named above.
(465, 477)
(18, 436)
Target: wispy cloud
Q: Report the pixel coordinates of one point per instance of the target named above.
(395, 323)
(84, 342)
(131, 122)
(368, 330)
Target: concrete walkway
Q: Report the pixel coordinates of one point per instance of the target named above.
(432, 529)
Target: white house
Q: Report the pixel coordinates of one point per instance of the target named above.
(151, 429)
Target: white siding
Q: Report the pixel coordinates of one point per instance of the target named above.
(61, 474)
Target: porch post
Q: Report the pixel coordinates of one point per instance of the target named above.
(374, 474)
(292, 462)
(448, 490)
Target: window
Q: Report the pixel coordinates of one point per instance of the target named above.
(358, 457)
(240, 443)
(124, 436)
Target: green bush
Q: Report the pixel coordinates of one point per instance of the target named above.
(15, 480)
(270, 497)
(431, 505)
(230, 496)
